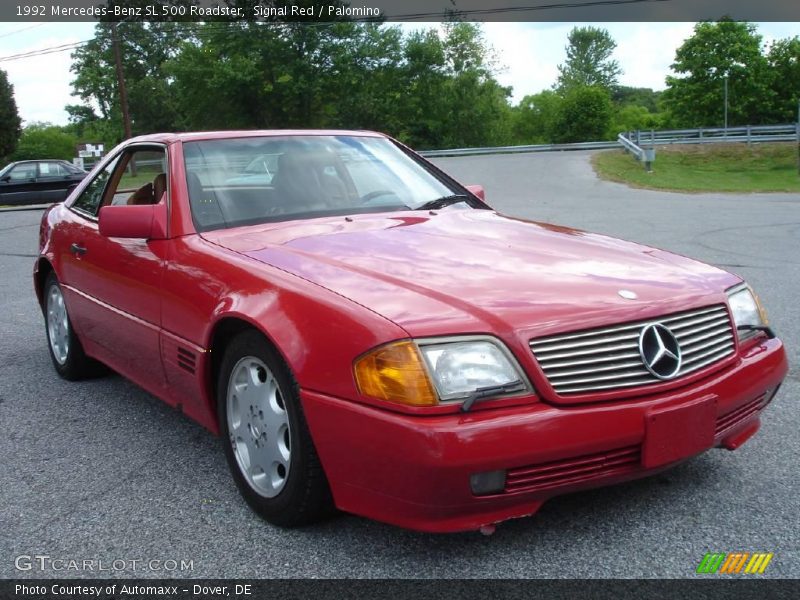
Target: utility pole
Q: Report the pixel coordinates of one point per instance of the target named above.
(123, 91)
(726, 104)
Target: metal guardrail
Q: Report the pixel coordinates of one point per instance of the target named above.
(631, 146)
(520, 149)
(641, 139)
(712, 135)
(642, 144)
(643, 155)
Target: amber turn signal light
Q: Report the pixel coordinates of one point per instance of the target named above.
(395, 373)
(762, 312)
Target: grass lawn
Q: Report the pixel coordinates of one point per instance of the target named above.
(134, 182)
(707, 168)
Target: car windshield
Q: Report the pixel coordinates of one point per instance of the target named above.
(251, 180)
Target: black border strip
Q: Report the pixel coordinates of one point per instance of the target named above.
(402, 10)
(461, 589)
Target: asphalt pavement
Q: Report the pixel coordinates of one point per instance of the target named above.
(101, 470)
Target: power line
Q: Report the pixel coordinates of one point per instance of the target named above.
(520, 9)
(74, 45)
(43, 51)
(23, 29)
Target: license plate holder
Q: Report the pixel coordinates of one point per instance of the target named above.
(678, 432)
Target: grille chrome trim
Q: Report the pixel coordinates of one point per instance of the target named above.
(607, 358)
(612, 367)
(573, 471)
(732, 419)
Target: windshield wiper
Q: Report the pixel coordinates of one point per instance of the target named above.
(443, 201)
(492, 390)
(768, 330)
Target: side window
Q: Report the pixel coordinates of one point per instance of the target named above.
(140, 178)
(51, 169)
(89, 200)
(23, 172)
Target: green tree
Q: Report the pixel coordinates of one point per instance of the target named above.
(584, 115)
(10, 123)
(144, 48)
(784, 69)
(45, 140)
(428, 89)
(632, 117)
(287, 75)
(695, 96)
(366, 85)
(589, 60)
(623, 95)
(477, 111)
(424, 75)
(535, 118)
(219, 79)
(87, 127)
(448, 96)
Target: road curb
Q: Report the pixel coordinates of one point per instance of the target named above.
(21, 208)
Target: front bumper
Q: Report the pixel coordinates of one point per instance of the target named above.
(414, 471)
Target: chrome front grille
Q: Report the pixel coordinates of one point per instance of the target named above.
(608, 358)
(573, 471)
(730, 420)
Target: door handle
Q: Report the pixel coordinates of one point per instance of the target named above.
(77, 250)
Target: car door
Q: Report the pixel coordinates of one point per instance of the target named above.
(18, 186)
(52, 182)
(116, 282)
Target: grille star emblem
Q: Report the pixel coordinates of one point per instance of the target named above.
(660, 351)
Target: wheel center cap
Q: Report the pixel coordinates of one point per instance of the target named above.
(254, 431)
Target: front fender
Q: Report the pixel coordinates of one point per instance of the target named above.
(318, 332)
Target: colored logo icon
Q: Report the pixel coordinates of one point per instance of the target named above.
(735, 563)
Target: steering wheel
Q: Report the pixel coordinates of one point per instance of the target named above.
(369, 197)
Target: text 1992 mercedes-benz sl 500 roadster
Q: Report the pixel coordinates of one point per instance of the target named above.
(365, 333)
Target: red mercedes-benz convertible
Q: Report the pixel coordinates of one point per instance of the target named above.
(364, 332)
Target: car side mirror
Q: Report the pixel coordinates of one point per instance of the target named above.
(144, 221)
(477, 190)
(6, 179)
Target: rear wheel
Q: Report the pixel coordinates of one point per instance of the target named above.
(265, 436)
(66, 352)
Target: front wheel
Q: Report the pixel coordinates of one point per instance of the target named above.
(265, 437)
(66, 352)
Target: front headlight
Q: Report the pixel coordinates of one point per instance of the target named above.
(461, 368)
(425, 372)
(746, 310)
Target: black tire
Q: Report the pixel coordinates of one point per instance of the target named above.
(75, 365)
(305, 497)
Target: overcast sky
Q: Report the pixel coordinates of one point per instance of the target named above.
(529, 52)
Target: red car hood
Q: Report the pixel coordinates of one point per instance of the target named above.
(461, 270)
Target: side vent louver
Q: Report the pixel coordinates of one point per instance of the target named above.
(186, 360)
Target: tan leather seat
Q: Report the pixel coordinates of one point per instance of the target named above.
(150, 193)
(159, 187)
(144, 195)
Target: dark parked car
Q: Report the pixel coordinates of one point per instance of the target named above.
(37, 181)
